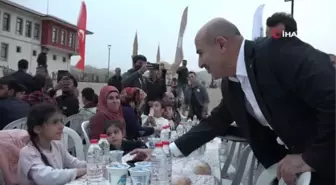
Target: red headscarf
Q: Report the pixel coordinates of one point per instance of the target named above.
(132, 94)
(102, 104)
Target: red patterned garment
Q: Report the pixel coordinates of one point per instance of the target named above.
(37, 97)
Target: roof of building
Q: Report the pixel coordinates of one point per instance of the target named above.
(42, 15)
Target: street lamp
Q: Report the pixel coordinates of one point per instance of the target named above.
(109, 58)
(292, 6)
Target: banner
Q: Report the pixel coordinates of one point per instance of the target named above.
(81, 34)
(258, 28)
(158, 55)
(179, 48)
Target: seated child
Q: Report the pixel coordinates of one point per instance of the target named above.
(155, 117)
(169, 115)
(115, 132)
(44, 160)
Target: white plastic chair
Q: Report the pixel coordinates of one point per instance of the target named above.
(269, 175)
(17, 124)
(225, 157)
(86, 131)
(1, 72)
(68, 132)
(75, 122)
(243, 168)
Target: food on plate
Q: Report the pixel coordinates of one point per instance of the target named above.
(200, 167)
(180, 180)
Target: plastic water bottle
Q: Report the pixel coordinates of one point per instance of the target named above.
(169, 164)
(180, 130)
(188, 125)
(165, 133)
(173, 135)
(94, 164)
(159, 161)
(105, 146)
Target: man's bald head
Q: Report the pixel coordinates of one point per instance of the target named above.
(218, 43)
(217, 27)
(169, 98)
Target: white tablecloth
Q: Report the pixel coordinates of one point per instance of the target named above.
(183, 167)
(196, 180)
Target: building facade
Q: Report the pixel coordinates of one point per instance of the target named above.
(25, 32)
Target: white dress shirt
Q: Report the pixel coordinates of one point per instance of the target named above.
(251, 103)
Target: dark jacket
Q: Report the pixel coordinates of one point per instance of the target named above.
(201, 95)
(127, 146)
(133, 127)
(12, 109)
(25, 79)
(132, 78)
(115, 81)
(296, 94)
(68, 104)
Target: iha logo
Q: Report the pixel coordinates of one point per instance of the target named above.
(278, 33)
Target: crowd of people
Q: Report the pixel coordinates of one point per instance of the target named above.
(285, 94)
(131, 106)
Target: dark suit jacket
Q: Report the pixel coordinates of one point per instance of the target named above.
(12, 109)
(24, 79)
(201, 95)
(115, 81)
(128, 145)
(294, 85)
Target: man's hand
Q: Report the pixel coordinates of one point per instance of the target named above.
(59, 85)
(290, 166)
(142, 154)
(150, 103)
(143, 69)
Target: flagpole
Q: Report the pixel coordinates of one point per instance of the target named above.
(292, 6)
(47, 7)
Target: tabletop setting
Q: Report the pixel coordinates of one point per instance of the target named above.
(199, 168)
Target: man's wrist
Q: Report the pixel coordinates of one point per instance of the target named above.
(140, 72)
(175, 150)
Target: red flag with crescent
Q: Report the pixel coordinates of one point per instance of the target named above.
(81, 35)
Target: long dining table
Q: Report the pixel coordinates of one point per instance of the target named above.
(182, 167)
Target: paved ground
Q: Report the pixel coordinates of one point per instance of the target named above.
(214, 94)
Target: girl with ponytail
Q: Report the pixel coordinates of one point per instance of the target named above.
(45, 160)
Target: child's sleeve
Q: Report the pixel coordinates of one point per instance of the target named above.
(32, 167)
(70, 161)
(141, 144)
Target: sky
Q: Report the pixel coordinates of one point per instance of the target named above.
(157, 22)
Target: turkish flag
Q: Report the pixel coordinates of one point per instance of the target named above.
(81, 35)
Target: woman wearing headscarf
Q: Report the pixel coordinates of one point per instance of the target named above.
(109, 108)
(133, 100)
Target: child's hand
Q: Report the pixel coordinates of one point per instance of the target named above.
(151, 120)
(81, 172)
(172, 124)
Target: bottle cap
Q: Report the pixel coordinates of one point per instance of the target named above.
(158, 144)
(103, 136)
(165, 142)
(94, 141)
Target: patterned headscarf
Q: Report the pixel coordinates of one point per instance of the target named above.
(132, 94)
